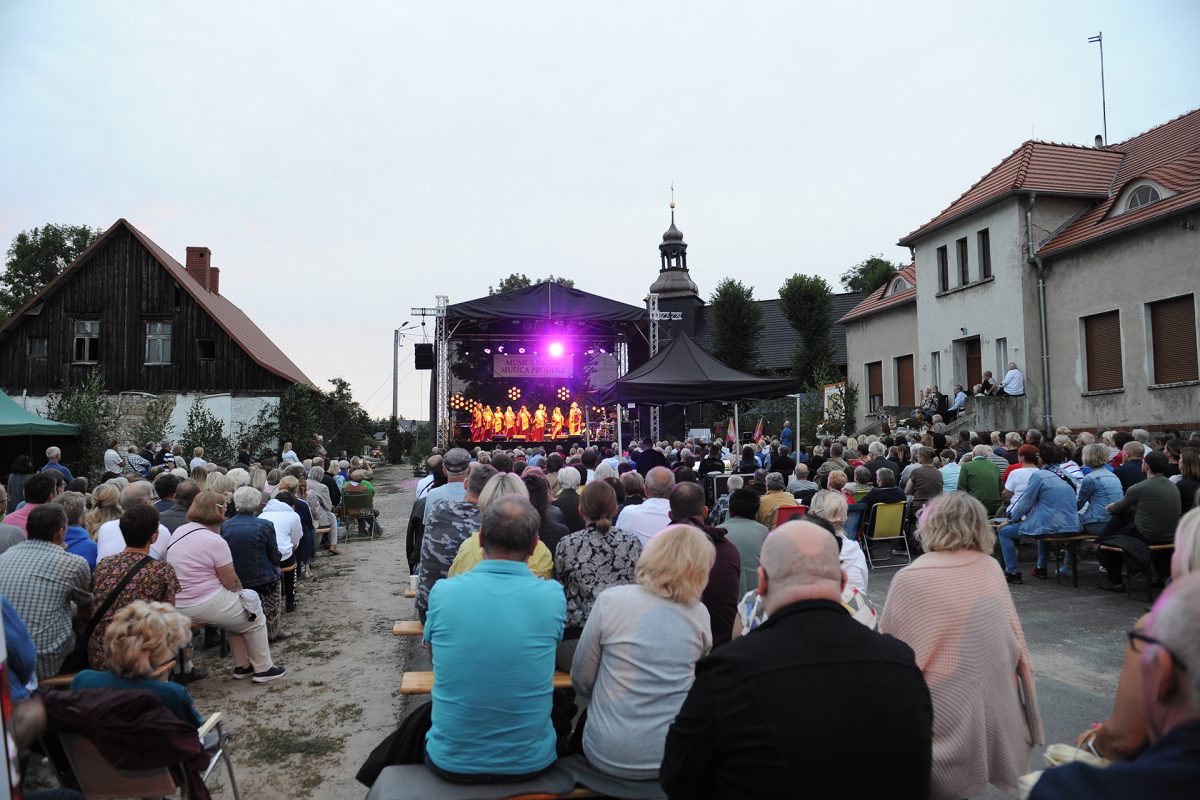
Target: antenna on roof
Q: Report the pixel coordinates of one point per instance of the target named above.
(1099, 39)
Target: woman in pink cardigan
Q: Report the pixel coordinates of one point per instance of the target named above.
(953, 608)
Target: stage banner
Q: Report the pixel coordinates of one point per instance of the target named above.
(510, 366)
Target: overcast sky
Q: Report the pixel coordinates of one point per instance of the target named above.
(347, 161)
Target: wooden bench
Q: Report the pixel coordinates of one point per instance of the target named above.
(410, 593)
(422, 682)
(1072, 548)
(407, 627)
(1127, 574)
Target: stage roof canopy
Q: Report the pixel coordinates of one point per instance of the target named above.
(16, 421)
(545, 302)
(684, 373)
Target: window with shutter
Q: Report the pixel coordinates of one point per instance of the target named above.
(1173, 339)
(875, 386)
(1102, 351)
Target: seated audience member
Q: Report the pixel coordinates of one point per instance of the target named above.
(776, 497)
(280, 511)
(470, 553)
(949, 470)
(861, 484)
(1124, 734)
(1166, 649)
(652, 514)
(635, 487)
(832, 507)
(1098, 489)
(746, 533)
(38, 490)
(799, 481)
(1148, 512)
(109, 540)
(958, 406)
(42, 580)
(878, 460)
(835, 463)
(1013, 383)
(886, 492)
(720, 510)
(748, 463)
(784, 464)
(925, 481)
(686, 471)
(497, 729)
(78, 541)
(185, 493)
(591, 560)
(740, 732)
(105, 507)
(164, 486)
(1130, 470)
(567, 501)
(836, 482)
(720, 595)
(321, 504)
(451, 523)
(979, 673)
(256, 557)
(141, 644)
(1017, 476)
(637, 654)
(1189, 478)
(551, 531)
(210, 591)
(150, 580)
(713, 461)
(1047, 508)
(454, 464)
(980, 478)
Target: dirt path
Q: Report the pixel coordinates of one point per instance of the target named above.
(306, 734)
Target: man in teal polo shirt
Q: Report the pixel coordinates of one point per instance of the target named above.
(492, 633)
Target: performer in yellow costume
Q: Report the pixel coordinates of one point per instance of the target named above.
(523, 420)
(510, 422)
(575, 420)
(486, 430)
(497, 421)
(476, 425)
(556, 423)
(539, 423)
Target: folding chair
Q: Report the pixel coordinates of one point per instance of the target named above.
(100, 780)
(887, 522)
(359, 508)
(854, 515)
(786, 513)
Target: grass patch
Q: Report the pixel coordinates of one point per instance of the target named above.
(271, 747)
(350, 712)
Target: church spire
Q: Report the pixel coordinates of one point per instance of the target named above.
(673, 277)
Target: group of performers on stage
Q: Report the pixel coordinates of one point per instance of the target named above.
(487, 423)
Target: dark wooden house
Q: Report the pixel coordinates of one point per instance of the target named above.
(149, 323)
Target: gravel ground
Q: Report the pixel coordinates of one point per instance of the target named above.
(305, 735)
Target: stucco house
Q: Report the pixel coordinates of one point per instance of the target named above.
(1080, 264)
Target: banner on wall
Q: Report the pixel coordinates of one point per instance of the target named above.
(510, 366)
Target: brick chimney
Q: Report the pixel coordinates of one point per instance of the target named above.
(199, 267)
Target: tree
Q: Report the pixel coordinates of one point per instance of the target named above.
(737, 324)
(519, 280)
(869, 275)
(807, 303)
(35, 258)
(155, 422)
(205, 430)
(86, 406)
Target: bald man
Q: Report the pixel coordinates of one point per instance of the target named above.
(769, 714)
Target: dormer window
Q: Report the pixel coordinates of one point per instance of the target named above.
(1142, 196)
(896, 286)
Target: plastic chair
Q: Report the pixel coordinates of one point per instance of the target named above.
(887, 522)
(786, 513)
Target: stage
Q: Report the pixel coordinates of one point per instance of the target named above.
(550, 444)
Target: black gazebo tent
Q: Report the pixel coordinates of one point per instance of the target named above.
(684, 373)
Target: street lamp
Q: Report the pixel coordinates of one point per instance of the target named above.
(396, 336)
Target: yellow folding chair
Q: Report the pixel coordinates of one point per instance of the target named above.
(887, 522)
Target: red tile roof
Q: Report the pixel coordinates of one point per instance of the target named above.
(1045, 167)
(1170, 156)
(232, 319)
(876, 301)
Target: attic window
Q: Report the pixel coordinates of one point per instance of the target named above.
(1142, 196)
(206, 349)
(898, 285)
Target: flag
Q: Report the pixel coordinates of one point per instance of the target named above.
(758, 433)
(731, 432)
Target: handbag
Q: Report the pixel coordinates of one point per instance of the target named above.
(78, 659)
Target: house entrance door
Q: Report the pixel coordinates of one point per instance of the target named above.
(974, 364)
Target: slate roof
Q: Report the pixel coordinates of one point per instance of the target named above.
(232, 319)
(777, 343)
(876, 301)
(1170, 156)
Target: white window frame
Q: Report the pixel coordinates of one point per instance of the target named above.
(158, 340)
(85, 330)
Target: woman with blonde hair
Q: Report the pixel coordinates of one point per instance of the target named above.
(141, 645)
(832, 507)
(541, 563)
(1124, 734)
(106, 500)
(637, 654)
(589, 561)
(952, 606)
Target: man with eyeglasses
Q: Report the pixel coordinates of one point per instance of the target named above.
(1169, 652)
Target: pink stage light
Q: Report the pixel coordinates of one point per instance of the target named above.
(556, 349)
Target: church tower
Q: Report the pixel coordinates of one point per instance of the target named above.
(675, 288)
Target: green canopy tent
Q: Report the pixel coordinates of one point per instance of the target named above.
(23, 432)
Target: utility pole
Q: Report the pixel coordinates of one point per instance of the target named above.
(396, 336)
(1099, 39)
